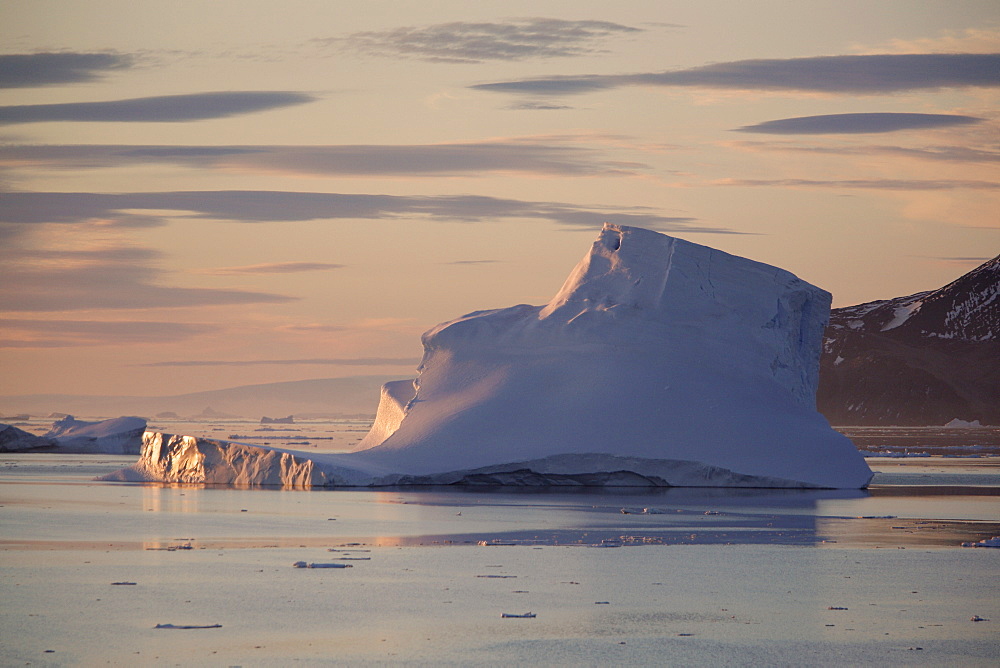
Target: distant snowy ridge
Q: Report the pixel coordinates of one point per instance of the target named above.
(916, 360)
(659, 361)
(967, 309)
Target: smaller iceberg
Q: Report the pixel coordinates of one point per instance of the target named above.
(13, 439)
(117, 436)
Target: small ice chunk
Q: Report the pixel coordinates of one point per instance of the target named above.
(511, 615)
(302, 564)
(986, 542)
(958, 423)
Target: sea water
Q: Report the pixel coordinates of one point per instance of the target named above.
(88, 570)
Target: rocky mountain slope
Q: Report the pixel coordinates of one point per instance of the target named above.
(923, 359)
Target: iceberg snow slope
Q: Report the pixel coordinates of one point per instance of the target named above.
(659, 362)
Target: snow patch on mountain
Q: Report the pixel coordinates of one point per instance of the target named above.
(902, 313)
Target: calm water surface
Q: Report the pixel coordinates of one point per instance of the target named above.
(614, 576)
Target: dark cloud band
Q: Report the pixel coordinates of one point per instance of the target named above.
(868, 184)
(350, 160)
(830, 74)
(945, 153)
(39, 280)
(26, 333)
(161, 109)
(256, 206)
(46, 69)
(864, 123)
(273, 268)
(467, 42)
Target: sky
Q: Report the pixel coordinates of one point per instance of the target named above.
(201, 195)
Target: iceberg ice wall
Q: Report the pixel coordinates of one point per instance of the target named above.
(659, 362)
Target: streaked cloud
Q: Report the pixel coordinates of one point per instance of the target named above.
(472, 262)
(975, 260)
(334, 361)
(256, 206)
(30, 333)
(159, 109)
(538, 106)
(469, 42)
(869, 74)
(866, 184)
(466, 158)
(313, 327)
(944, 153)
(113, 278)
(861, 123)
(273, 268)
(26, 70)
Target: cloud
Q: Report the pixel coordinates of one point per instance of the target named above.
(967, 40)
(25, 70)
(867, 184)
(944, 153)
(273, 268)
(469, 158)
(871, 74)
(335, 361)
(27, 333)
(471, 262)
(313, 327)
(858, 123)
(958, 260)
(113, 278)
(160, 109)
(537, 106)
(467, 43)
(250, 206)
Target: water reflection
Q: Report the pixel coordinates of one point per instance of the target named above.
(171, 498)
(51, 501)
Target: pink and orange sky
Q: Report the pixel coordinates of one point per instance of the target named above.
(199, 195)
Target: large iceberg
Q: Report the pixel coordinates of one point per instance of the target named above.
(659, 362)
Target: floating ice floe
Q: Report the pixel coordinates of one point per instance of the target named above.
(659, 363)
(986, 542)
(964, 424)
(303, 564)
